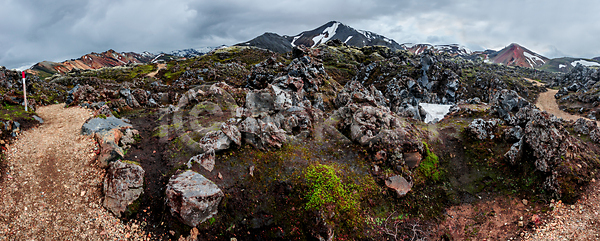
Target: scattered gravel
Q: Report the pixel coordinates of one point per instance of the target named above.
(53, 187)
(580, 221)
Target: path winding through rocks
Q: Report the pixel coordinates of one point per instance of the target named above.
(547, 102)
(53, 188)
(580, 221)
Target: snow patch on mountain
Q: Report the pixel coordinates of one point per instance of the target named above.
(584, 63)
(296, 38)
(532, 59)
(326, 35)
(349, 37)
(560, 66)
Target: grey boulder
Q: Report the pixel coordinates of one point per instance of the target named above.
(192, 198)
(123, 185)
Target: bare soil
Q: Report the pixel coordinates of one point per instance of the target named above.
(547, 102)
(160, 66)
(52, 188)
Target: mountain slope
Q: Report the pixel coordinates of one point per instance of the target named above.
(109, 58)
(191, 53)
(451, 49)
(270, 41)
(517, 55)
(330, 31)
(565, 64)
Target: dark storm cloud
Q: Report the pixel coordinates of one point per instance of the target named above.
(33, 31)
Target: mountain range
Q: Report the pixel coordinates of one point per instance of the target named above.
(512, 55)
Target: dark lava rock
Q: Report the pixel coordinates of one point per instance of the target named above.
(482, 129)
(583, 126)
(192, 198)
(564, 160)
(506, 102)
(375, 126)
(123, 185)
(101, 125)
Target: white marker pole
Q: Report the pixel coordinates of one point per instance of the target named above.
(24, 91)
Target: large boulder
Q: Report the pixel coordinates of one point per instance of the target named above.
(261, 135)
(506, 103)
(583, 126)
(123, 185)
(482, 129)
(129, 98)
(100, 125)
(108, 143)
(192, 198)
(374, 126)
(546, 145)
(108, 133)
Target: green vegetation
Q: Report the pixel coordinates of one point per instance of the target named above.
(15, 113)
(326, 188)
(429, 167)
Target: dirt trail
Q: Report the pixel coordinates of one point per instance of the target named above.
(52, 190)
(160, 66)
(547, 102)
(580, 221)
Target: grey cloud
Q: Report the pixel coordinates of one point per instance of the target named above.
(33, 31)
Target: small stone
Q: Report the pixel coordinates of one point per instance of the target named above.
(252, 171)
(525, 202)
(220, 176)
(521, 224)
(572, 207)
(399, 184)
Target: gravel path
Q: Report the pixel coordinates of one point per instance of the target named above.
(580, 221)
(547, 102)
(53, 189)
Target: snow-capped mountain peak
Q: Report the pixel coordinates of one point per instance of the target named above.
(333, 30)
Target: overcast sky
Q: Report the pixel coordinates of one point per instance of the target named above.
(36, 30)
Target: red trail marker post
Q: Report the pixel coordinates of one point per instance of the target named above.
(24, 90)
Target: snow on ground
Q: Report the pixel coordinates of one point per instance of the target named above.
(296, 38)
(349, 37)
(435, 111)
(326, 35)
(560, 66)
(584, 63)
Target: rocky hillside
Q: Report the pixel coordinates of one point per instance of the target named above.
(330, 142)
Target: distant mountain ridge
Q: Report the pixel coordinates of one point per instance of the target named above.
(452, 49)
(512, 55)
(333, 30)
(93, 60)
(191, 53)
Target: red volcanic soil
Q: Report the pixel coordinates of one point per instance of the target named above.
(515, 55)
